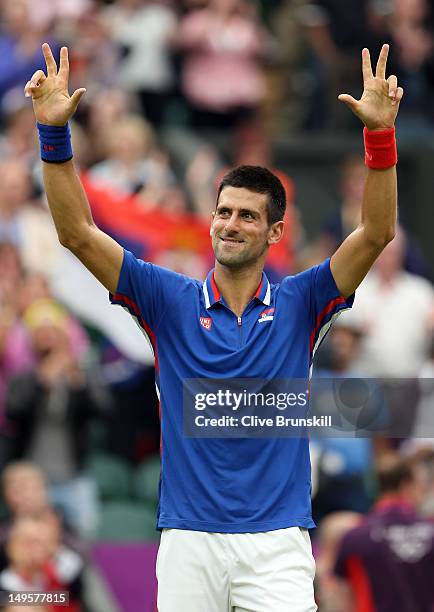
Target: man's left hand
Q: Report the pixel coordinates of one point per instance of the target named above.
(379, 104)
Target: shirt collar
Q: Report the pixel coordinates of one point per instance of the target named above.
(212, 294)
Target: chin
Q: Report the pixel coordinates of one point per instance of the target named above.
(231, 262)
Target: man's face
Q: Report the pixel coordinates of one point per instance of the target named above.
(239, 231)
(25, 492)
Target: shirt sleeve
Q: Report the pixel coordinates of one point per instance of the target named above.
(145, 291)
(325, 301)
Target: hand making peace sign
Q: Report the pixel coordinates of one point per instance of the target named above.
(379, 104)
(52, 103)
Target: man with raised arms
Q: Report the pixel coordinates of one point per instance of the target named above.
(234, 513)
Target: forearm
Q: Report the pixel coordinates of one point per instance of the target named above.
(379, 208)
(377, 109)
(68, 202)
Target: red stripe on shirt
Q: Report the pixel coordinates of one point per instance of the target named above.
(324, 312)
(359, 580)
(129, 302)
(215, 289)
(258, 290)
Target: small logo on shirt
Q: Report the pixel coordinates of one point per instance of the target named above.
(206, 322)
(267, 315)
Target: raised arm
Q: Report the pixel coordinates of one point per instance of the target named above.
(377, 109)
(66, 197)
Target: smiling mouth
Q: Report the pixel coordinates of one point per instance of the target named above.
(231, 240)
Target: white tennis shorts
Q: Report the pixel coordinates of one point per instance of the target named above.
(270, 571)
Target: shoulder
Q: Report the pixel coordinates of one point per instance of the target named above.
(309, 277)
(418, 283)
(161, 12)
(142, 270)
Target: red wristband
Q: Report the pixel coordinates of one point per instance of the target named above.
(380, 148)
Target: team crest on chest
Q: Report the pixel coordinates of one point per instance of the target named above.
(267, 315)
(206, 322)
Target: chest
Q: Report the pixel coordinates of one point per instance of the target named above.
(266, 340)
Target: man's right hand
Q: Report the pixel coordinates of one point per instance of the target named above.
(66, 197)
(52, 103)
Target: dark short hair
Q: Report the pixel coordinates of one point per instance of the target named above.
(394, 473)
(258, 180)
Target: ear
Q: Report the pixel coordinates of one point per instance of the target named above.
(275, 232)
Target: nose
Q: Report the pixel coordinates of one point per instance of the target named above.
(232, 224)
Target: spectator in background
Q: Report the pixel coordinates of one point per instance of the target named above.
(142, 30)
(46, 13)
(344, 218)
(422, 434)
(329, 594)
(345, 459)
(25, 492)
(28, 553)
(388, 560)
(105, 108)
(15, 357)
(427, 506)
(411, 24)
(37, 562)
(395, 309)
(11, 271)
(23, 223)
(222, 80)
(34, 287)
(20, 45)
(18, 139)
(133, 163)
(93, 55)
(50, 407)
(292, 83)
(337, 33)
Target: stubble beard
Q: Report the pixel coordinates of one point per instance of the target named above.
(236, 261)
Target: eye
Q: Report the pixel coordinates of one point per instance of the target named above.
(247, 215)
(223, 212)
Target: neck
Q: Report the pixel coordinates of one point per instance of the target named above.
(28, 574)
(238, 286)
(388, 277)
(393, 499)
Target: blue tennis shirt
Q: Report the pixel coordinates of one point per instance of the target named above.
(220, 484)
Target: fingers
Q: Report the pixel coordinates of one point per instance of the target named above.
(395, 92)
(366, 65)
(49, 60)
(76, 97)
(399, 94)
(349, 101)
(36, 81)
(380, 71)
(64, 64)
(392, 82)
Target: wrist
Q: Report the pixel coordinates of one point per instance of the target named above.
(55, 141)
(379, 129)
(380, 148)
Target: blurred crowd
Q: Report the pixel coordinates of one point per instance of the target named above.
(177, 92)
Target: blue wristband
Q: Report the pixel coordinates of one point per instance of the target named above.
(55, 141)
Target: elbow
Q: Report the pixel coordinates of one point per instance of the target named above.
(67, 241)
(381, 240)
(73, 242)
(386, 238)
